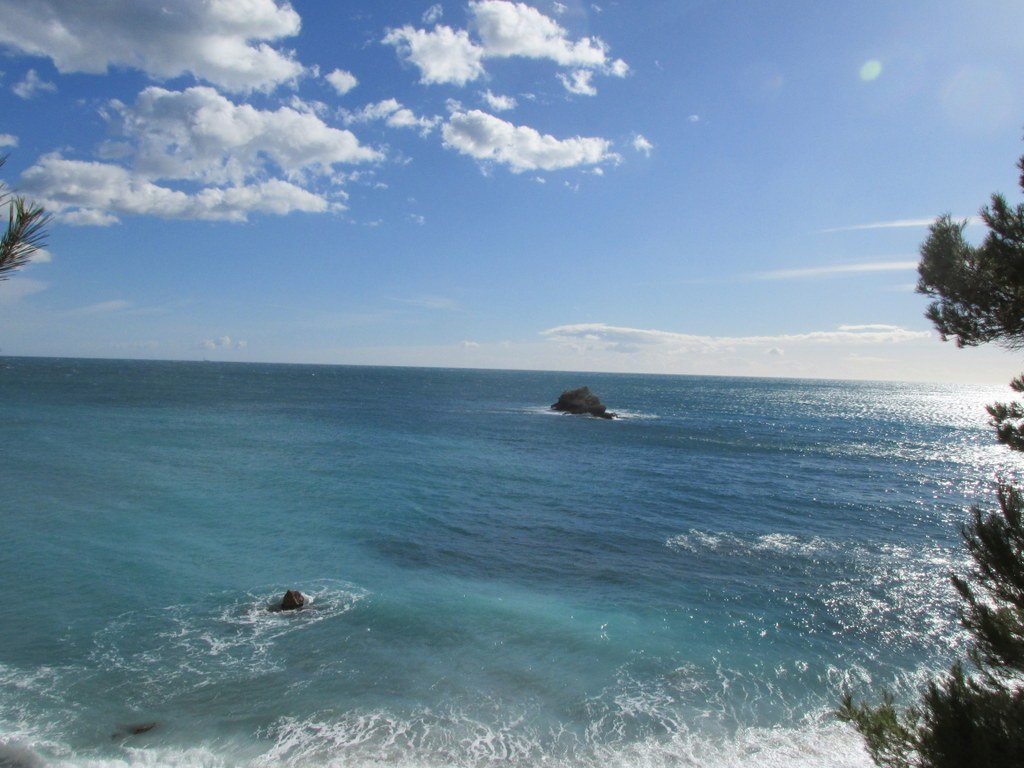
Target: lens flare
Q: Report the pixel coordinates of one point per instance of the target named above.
(870, 70)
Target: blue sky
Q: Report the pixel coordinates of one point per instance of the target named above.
(734, 188)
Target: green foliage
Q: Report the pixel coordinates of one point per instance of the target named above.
(978, 291)
(968, 724)
(994, 605)
(889, 734)
(966, 719)
(963, 720)
(26, 230)
(1008, 419)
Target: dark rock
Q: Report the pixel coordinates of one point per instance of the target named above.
(292, 600)
(581, 401)
(133, 729)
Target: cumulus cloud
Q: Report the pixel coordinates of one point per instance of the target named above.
(226, 42)
(433, 14)
(443, 55)
(199, 134)
(393, 114)
(498, 103)
(88, 217)
(31, 85)
(95, 193)
(341, 81)
(197, 154)
(222, 343)
(504, 29)
(516, 29)
(580, 82)
(641, 144)
(8, 140)
(488, 138)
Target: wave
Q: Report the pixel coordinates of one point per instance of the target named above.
(696, 715)
(222, 637)
(741, 545)
(456, 740)
(886, 594)
(621, 414)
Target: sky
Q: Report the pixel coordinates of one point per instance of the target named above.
(686, 187)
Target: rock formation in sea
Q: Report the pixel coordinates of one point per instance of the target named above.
(292, 600)
(580, 401)
(131, 729)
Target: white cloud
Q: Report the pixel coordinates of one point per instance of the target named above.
(618, 68)
(901, 224)
(102, 308)
(641, 144)
(31, 85)
(16, 288)
(559, 8)
(516, 29)
(8, 140)
(881, 327)
(222, 41)
(442, 55)
(199, 134)
(341, 81)
(88, 218)
(433, 14)
(222, 343)
(96, 193)
(394, 115)
(601, 337)
(505, 29)
(485, 137)
(837, 269)
(498, 103)
(579, 81)
(196, 154)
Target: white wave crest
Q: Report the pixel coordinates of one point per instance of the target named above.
(741, 545)
(230, 636)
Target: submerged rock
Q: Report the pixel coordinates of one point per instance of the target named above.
(580, 401)
(133, 729)
(292, 600)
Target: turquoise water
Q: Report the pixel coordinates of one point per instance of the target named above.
(491, 583)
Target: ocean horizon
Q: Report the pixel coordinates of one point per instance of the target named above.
(695, 583)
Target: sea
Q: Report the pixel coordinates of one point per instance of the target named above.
(488, 582)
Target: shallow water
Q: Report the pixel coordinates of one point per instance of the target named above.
(692, 584)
